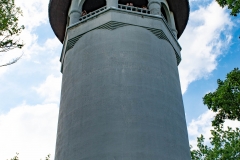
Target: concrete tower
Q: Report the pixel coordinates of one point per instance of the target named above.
(121, 97)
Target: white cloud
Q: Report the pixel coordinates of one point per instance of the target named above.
(199, 2)
(35, 14)
(50, 89)
(203, 125)
(205, 38)
(29, 130)
(233, 124)
(52, 44)
(3, 69)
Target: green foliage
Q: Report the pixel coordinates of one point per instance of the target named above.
(225, 101)
(233, 5)
(48, 157)
(16, 157)
(9, 29)
(225, 145)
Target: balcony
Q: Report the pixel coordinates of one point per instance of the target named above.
(132, 9)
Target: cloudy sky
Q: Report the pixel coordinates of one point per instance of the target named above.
(30, 89)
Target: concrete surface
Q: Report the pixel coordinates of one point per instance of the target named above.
(121, 99)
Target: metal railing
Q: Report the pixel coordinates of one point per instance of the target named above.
(127, 9)
(94, 13)
(133, 9)
(144, 11)
(120, 6)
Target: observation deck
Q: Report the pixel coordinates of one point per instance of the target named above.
(111, 18)
(59, 11)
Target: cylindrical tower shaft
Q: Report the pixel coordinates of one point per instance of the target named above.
(121, 97)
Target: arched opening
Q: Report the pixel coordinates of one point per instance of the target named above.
(165, 13)
(136, 3)
(92, 5)
(68, 21)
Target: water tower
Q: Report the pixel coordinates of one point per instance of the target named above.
(121, 97)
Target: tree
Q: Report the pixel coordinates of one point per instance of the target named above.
(16, 157)
(233, 5)
(9, 28)
(225, 101)
(225, 145)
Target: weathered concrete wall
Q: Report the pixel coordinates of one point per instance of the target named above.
(121, 99)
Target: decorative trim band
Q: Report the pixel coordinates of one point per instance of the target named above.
(112, 25)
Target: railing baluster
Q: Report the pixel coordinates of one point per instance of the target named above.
(133, 9)
(122, 7)
(92, 13)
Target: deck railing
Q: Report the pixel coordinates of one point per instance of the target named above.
(133, 9)
(125, 8)
(93, 13)
(120, 6)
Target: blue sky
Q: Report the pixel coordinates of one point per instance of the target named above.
(30, 89)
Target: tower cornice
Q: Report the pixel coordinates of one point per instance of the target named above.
(58, 13)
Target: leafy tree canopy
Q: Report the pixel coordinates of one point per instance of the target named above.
(225, 145)
(233, 5)
(17, 158)
(225, 101)
(9, 29)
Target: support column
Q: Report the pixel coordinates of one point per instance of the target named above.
(154, 7)
(173, 26)
(112, 3)
(74, 12)
(175, 32)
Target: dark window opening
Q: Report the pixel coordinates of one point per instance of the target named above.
(136, 3)
(92, 5)
(164, 14)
